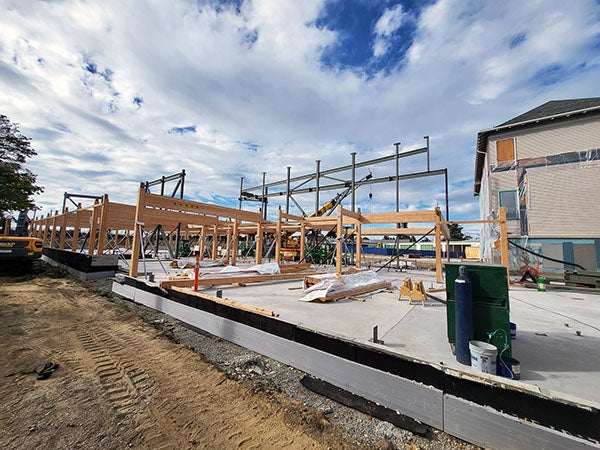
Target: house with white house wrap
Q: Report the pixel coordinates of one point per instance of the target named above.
(543, 166)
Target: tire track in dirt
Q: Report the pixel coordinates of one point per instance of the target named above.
(122, 380)
(121, 383)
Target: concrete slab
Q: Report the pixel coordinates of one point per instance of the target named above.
(555, 360)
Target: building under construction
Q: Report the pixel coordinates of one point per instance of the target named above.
(381, 330)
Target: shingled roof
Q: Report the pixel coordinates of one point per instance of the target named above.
(553, 110)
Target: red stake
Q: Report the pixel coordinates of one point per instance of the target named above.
(196, 269)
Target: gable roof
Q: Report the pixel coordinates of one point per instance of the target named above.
(555, 109)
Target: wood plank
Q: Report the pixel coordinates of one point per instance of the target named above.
(197, 208)
(214, 281)
(396, 231)
(400, 217)
(226, 301)
(351, 215)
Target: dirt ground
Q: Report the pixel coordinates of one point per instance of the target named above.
(121, 384)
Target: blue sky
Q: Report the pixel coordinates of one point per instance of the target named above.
(114, 93)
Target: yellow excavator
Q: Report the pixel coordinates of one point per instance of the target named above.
(15, 245)
(291, 247)
(331, 204)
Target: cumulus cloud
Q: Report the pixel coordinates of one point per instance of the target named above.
(115, 93)
(388, 23)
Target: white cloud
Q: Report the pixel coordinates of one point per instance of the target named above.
(70, 73)
(388, 23)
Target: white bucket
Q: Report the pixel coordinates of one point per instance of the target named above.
(483, 356)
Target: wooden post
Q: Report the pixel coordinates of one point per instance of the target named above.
(94, 227)
(137, 236)
(202, 242)
(63, 230)
(226, 260)
(259, 243)
(215, 242)
(103, 221)
(302, 240)
(53, 234)
(358, 245)
(235, 246)
(438, 248)
(338, 244)
(45, 235)
(76, 229)
(504, 258)
(278, 238)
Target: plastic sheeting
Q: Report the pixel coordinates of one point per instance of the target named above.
(331, 284)
(263, 269)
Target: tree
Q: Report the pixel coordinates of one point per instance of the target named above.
(456, 233)
(17, 184)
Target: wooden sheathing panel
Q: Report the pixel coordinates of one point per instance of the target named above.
(505, 150)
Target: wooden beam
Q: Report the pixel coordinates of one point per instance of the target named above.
(102, 226)
(135, 251)
(504, 255)
(63, 230)
(234, 249)
(438, 252)
(259, 243)
(192, 208)
(93, 228)
(338, 243)
(358, 262)
(215, 243)
(400, 217)
(202, 243)
(278, 237)
(396, 231)
(351, 215)
(234, 279)
(225, 301)
(53, 234)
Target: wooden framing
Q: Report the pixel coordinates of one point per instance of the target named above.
(210, 219)
(219, 222)
(102, 218)
(501, 220)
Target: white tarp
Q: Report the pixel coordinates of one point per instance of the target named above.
(331, 284)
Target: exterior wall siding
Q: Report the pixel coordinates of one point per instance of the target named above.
(552, 139)
(556, 195)
(563, 201)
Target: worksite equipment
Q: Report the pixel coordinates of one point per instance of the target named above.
(340, 196)
(490, 300)
(15, 245)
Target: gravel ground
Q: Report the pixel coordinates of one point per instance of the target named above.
(242, 364)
